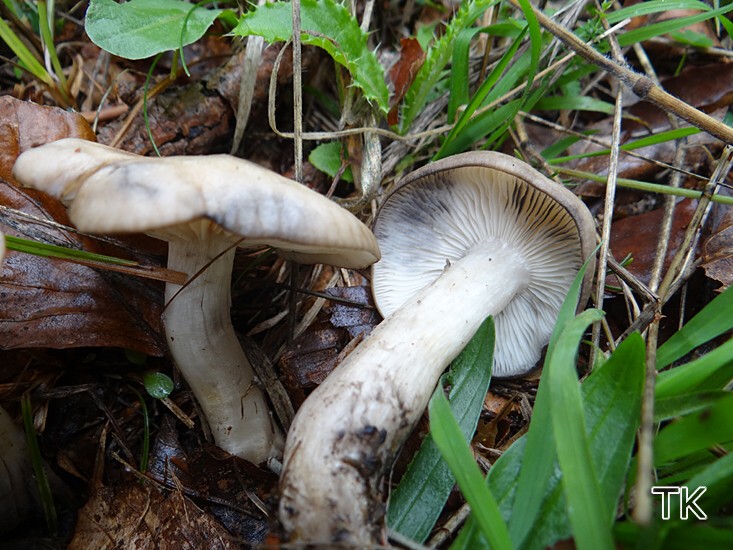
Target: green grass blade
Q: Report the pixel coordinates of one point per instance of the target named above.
(588, 514)
(612, 400)
(654, 6)
(437, 58)
(656, 139)
(53, 251)
(718, 478)
(667, 408)
(657, 29)
(537, 469)
(449, 439)
(691, 376)
(478, 99)
(27, 60)
(713, 320)
(416, 503)
(695, 432)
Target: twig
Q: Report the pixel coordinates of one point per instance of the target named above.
(297, 93)
(608, 208)
(641, 85)
(645, 473)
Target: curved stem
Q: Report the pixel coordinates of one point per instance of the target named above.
(206, 350)
(346, 434)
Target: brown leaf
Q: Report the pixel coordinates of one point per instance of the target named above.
(717, 250)
(637, 236)
(48, 302)
(137, 516)
(24, 125)
(708, 88)
(403, 73)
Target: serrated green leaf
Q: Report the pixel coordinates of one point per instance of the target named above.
(143, 28)
(330, 26)
(416, 503)
(437, 58)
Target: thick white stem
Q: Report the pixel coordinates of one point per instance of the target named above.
(208, 354)
(346, 434)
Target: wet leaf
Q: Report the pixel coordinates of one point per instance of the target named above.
(637, 236)
(402, 74)
(47, 302)
(24, 125)
(140, 516)
(717, 250)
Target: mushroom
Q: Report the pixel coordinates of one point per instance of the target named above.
(466, 237)
(204, 207)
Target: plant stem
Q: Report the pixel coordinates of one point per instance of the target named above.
(207, 352)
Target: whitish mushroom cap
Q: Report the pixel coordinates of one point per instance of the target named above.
(109, 191)
(441, 211)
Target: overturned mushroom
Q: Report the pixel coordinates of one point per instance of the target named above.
(204, 207)
(463, 238)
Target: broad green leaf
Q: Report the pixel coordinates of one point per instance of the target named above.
(612, 400)
(143, 28)
(695, 432)
(416, 503)
(457, 453)
(157, 384)
(716, 365)
(327, 158)
(328, 25)
(714, 319)
(589, 516)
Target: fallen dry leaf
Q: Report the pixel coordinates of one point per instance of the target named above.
(48, 302)
(137, 516)
(708, 88)
(403, 73)
(637, 236)
(24, 125)
(717, 250)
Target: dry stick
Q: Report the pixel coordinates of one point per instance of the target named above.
(641, 85)
(297, 93)
(609, 202)
(643, 510)
(252, 59)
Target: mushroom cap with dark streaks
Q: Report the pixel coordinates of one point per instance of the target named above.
(440, 212)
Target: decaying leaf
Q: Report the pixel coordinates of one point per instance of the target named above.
(52, 303)
(708, 88)
(24, 125)
(137, 516)
(403, 73)
(717, 250)
(637, 237)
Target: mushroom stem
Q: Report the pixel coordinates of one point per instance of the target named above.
(346, 434)
(207, 352)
